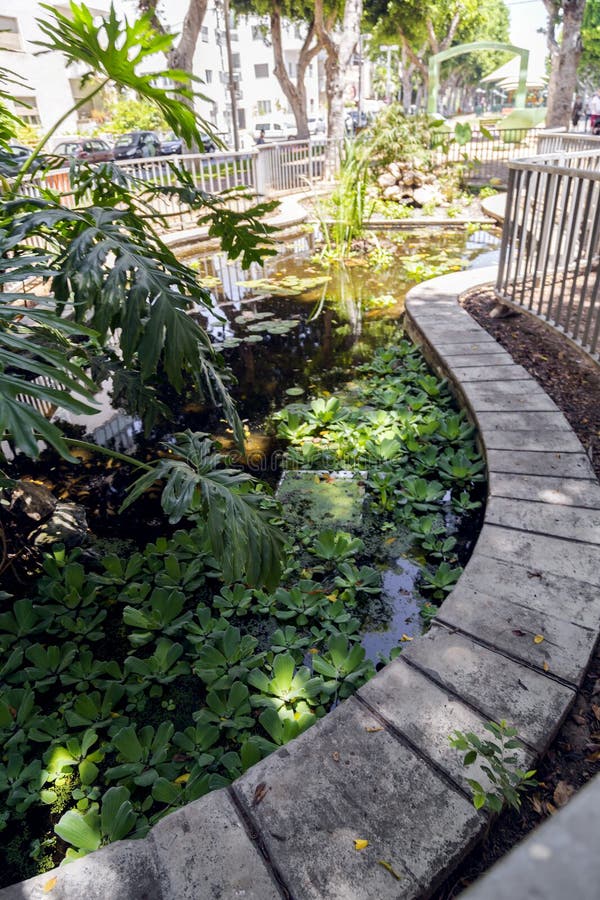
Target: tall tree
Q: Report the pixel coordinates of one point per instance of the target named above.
(181, 54)
(301, 13)
(589, 63)
(425, 27)
(565, 20)
(339, 44)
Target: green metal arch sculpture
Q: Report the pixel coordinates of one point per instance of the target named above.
(434, 69)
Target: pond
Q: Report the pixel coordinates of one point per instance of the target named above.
(134, 679)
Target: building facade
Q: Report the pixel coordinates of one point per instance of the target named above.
(53, 86)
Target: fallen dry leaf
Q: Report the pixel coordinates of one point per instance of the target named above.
(259, 793)
(405, 637)
(537, 805)
(594, 757)
(545, 666)
(578, 719)
(335, 756)
(538, 639)
(360, 843)
(563, 793)
(388, 867)
(551, 809)
(373, 728)
(50, 884)
(596, 711)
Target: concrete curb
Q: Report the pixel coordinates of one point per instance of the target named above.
(379, 767)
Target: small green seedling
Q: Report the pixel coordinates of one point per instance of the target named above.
(499, 762)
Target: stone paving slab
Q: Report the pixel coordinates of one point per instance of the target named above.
(340, 782)
(566, 647)
(204, 851)
(426, 715)
(566, 598)
(496, 686)
(546, 439)
(542, 489)
(489, 372)
(535, 462)
(477, 347)
(199, 852)
(521, 420)
(476, 359)
(514, 396)
(541, 553)
(569, 522)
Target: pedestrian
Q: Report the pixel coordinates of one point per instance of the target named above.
(576, 111)
(587, 113)
(595, 111)
(261, 137)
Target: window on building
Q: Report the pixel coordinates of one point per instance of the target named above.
(204, 34)
(261, 70)
(235, 61)
(27, 109)
(310, 69)
(208, 76)
(10, 39)
(257, 33)
(263, 107)
(291, 69)
(242, 118)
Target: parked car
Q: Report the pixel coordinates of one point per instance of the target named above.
(90, 150)
(275, 130)
(136, 144)
(174, 145)
(316, 125)
(13, 155)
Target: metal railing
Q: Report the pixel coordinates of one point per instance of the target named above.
(486, 155)
(549, 261)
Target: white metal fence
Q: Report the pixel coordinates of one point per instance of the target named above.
(549, 262)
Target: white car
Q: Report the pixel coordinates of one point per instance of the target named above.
(316, 125)
(274, 130)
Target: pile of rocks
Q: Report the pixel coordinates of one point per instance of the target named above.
(407, 182)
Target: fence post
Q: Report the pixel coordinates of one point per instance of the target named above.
(262, 170)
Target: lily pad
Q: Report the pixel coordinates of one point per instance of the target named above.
(286, 286)
(295, 391)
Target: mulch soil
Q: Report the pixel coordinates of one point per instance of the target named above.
(573, 382)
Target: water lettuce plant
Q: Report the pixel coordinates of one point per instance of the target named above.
(134, 682)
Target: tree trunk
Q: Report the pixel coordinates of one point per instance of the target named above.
(339, 55)
(295, 93)
(407, 71)
(182, 56)
(564, 58)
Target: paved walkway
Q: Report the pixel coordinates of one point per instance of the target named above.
(379, 767)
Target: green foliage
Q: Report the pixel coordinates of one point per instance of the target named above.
(128, 114)
(151, 677)
(237, 518)
(118, 300)
(498, 759)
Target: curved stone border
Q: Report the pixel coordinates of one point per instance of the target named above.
(379, 767)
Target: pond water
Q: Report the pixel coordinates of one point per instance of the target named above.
(307, 342)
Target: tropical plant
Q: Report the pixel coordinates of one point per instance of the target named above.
(499, 761)
(111, 820)
(237, 525)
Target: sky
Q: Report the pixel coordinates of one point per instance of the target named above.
(526, 16)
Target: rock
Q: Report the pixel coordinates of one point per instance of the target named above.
(68, 526)
(386, 179)
(392, 193)
(427, 194)
(395, 169)
(32, 500)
